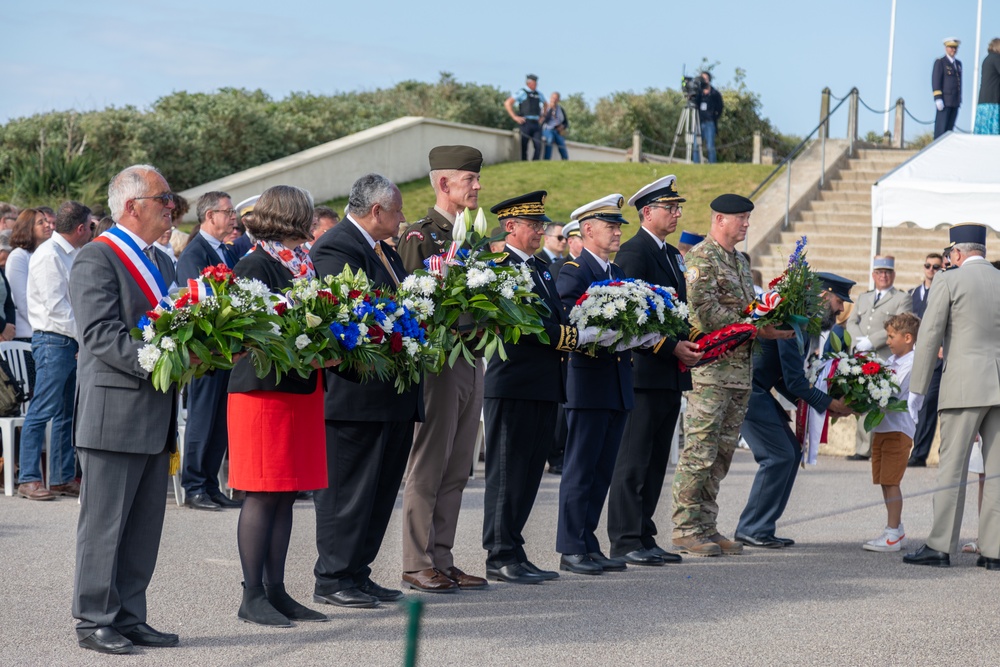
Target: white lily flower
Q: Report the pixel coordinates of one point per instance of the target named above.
(480, 225)
(459, 231)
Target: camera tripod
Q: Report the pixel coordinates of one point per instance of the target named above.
(691, 124)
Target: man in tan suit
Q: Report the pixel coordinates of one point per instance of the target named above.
(963, 316)
(867, 328)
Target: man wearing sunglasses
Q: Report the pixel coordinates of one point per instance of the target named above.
(922, 439)
(553, 248)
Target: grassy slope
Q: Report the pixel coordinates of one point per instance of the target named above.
(572, 184)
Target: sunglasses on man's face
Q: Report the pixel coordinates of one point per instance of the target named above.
(936, 267)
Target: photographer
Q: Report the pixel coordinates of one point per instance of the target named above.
(709, 103)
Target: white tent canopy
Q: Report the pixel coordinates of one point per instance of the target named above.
(955, 179)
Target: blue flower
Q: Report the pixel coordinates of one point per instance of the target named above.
(144, 322)
(347, 334)
(797, 257)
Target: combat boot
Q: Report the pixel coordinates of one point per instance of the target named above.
(696, 545)
(729, 547)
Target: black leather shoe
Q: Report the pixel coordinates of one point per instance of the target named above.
(988, 563)
(764, 543)
(222, 501)
(608, 564)
(642, 557)
(927, 556)
(107, 640)
(555, 470)
(857, 457)
(547, 575)
(580, 564)
(143, 635)
(349, 597)
(916, 463)
(380, 593)
(787, 541)
(201, 501)
(513, 574)
(665, 555)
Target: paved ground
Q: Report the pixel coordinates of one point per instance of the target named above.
(821, 602)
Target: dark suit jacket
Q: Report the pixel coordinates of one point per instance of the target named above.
(346, 398)
(534, 371)
(779, 365)
(919, 305)
(197, 254)
(272, 273)
(602, 382)
(117, 408)
(641, 258)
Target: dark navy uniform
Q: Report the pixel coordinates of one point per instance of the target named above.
(946, 82)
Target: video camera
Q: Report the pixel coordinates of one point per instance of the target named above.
(691, 86)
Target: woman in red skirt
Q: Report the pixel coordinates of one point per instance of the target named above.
(277, 439)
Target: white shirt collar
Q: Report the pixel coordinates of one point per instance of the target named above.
(368, 237)
(66, 246)
(138, 241)
(659, 244)
(520, 253)
(604, 264)
(212, 241)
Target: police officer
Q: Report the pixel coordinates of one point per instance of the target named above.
(522, 394)
(719, 287)
(530, 107)
(946, 82)
(443, 444)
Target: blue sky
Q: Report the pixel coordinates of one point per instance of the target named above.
(64, 54)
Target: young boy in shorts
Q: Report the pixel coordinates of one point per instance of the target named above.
(893, 438)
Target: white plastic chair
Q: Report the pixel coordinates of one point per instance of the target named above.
(14, 354)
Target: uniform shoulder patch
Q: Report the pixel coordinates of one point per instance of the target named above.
(415, 233)
(572, 263)
(502, 257)
(692, 274)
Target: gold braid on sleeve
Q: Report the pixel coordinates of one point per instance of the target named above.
(567, 338)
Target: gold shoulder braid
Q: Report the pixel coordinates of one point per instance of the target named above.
(567, 338)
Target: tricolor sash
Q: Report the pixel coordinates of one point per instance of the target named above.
(142, 269)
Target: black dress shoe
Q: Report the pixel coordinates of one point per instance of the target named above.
(548, 575)
(608, 564)
(349, 597)
(380, 593)
(222, 501)
(787, 541)
(857, 457)
(988, 563)
(580, 564)
(916, 463)
(512, 574)
(764, 542)
(642, 557)
(927, 556)
(107, 640)
(665, 555)
(143, 635)
(555, 470)
(201, 501)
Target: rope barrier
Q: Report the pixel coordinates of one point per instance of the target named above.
(883, 112)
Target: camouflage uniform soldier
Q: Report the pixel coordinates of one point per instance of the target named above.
(719, 287)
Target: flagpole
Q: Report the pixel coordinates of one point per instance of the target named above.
(975, 76)
(888, 76)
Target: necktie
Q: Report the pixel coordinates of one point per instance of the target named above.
(150, 252)
(227, 255)
(385, 262)
(878, 295)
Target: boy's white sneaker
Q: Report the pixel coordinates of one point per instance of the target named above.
(890, 540)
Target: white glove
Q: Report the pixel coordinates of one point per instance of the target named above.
(586, 336)
(650, 340)
(606, 338)
(939, 103)
(913, 404)
(863, 344)
(635, 341)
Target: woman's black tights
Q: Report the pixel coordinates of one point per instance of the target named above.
(264, 529)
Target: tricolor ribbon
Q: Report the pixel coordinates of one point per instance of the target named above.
(199, 289)
(811, 425)
(142, 269)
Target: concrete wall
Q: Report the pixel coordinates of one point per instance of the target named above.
(397, 150)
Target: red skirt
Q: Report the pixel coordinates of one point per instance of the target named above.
(277, 441)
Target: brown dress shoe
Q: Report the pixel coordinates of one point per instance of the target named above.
(68, 489)
(729, 547)
(696, 545)
(430, 580)
(34, 491)
(465, 580)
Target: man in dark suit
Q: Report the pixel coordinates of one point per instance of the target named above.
(780, 365)
(598, 398)
(645, 450)
(928, 418)
(207, 436)
(369, 426)
(554, 244)
(125, 429)
(521, 397)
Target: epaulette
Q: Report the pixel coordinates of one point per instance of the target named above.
(502, 258)
(572, 263)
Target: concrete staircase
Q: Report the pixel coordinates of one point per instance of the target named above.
(838, 225)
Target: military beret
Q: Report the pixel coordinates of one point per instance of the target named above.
(660, 190)
(607, 208)
(968, 232)
(246, 205)
(887, 263)
(572, 229)
(690, 238)
(837, 284)
(462, 158)
(531, 205)
(731, 204)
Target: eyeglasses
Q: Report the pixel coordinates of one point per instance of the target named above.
(228, 212)
(535, 226)
(557, 237)
(936, 267)
(673, 210)
(164, 199)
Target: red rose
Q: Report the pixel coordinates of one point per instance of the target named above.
(280, 308)
(871, 368)
(582, 298)
(368, 298)
(327, 295)
(354, 294)
(378, 293)
(376, 334)
(395, 342)
(219, 273)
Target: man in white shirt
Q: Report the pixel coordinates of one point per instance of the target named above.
(53, 347)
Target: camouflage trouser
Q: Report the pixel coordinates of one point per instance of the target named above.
(711, 430)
